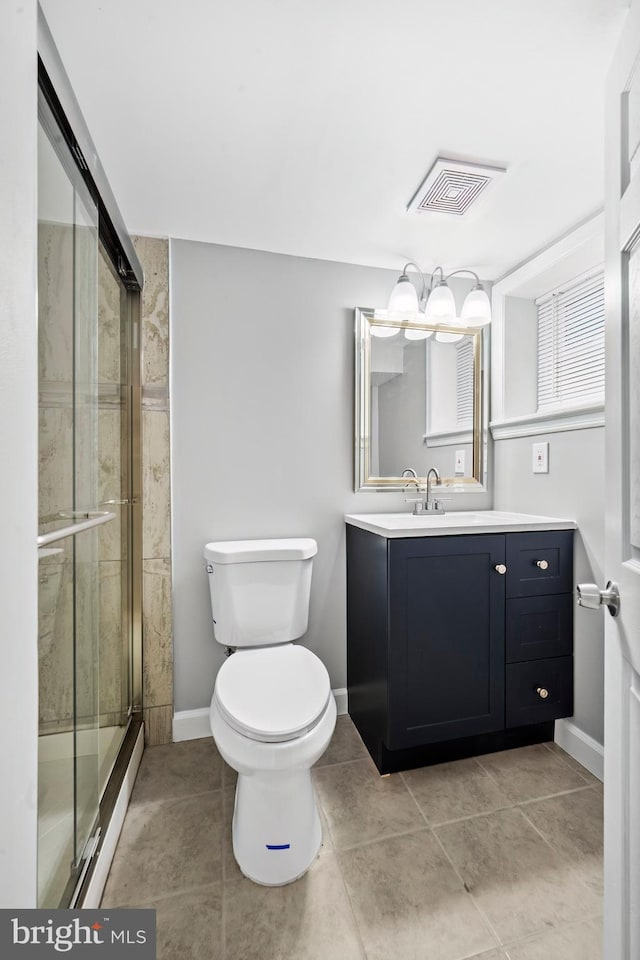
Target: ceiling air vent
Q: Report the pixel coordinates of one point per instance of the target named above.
(453, 186)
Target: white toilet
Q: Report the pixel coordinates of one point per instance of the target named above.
(272, 711)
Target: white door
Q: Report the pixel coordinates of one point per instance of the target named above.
(622, 560)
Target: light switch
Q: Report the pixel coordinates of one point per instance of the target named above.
(540, 457)
(459, 467)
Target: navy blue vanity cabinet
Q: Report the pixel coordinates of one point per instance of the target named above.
(457, 645)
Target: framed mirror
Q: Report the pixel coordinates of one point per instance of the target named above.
(420, 402)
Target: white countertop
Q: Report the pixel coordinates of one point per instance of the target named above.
(460, 522)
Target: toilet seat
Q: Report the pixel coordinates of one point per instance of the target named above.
(272, 694)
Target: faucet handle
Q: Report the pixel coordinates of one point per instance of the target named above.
(435, 506)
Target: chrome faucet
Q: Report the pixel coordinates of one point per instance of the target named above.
(432, 506)
(427, 504)
(418, 503)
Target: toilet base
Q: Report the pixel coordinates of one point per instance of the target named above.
(276, 827)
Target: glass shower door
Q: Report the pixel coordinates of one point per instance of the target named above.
(73, 523)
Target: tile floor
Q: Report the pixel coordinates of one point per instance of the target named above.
(496, 858)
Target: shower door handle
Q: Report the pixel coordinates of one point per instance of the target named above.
(118, 503)
(88, 520)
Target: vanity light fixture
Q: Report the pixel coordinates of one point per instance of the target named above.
(435, 304)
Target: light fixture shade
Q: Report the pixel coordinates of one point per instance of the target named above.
(404, 297)
(444, 336)
(417, 334)
(476, 309)
(383, 332)
(441, 307)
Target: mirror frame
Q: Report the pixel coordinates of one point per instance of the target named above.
(365, 319)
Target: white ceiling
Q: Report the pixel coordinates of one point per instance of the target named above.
(305, 126)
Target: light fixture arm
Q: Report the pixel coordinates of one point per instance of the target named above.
(423, 291)
(433, 275)
(427, 290)
(473, 274)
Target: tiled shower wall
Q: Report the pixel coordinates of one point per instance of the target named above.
(156, 499)
(56, 414)
(92, 453)
(55, 409)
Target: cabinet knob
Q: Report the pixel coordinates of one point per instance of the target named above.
(542, 693)
(543, 564)
(500, 568)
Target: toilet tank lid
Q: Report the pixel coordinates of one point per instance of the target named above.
(252, 551)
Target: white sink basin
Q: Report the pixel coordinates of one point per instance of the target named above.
(424, 525)
(429, 519)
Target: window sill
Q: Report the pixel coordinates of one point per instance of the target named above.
(558, 421)
(448, 438)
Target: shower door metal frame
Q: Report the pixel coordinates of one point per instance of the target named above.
(54, 86)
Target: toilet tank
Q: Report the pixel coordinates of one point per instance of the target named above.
(259, 590)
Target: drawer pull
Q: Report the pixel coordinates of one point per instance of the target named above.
(542, 693)
(500, 568)
(543, 564)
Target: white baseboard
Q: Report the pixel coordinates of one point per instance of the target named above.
(341, 700)
(191, 724)
(100, 873)
(581, 747)
(194, 724)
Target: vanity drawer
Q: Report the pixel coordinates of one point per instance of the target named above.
(539, 563)
(526, 684)
(539, 627)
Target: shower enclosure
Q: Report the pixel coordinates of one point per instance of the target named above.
(89, 511)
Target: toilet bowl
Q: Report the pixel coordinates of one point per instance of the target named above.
(272, 711)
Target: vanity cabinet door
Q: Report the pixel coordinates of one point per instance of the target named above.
(446, 638)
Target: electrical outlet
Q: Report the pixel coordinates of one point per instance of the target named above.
(540, 457)
(459, 464)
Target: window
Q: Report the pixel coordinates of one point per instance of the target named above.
(464, 382)
(571, 344)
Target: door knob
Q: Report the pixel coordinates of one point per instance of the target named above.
(543, 564)
(500, 568)
(591, 597)
(542, 692)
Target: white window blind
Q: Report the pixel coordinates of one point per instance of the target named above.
(464, 382)
(571, 344)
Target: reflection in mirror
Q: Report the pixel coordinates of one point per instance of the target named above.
(421, 401)
(419, 404)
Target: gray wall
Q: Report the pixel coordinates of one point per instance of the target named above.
(521, 357)
(262, 430)
(573, 488)
(19, 479)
